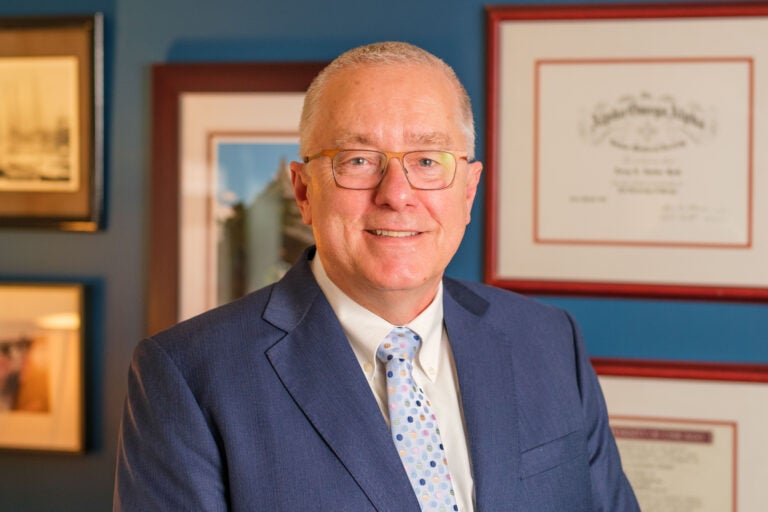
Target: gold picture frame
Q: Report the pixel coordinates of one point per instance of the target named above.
(51, 122)
(42, 329)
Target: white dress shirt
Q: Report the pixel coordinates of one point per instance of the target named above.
(434, 371)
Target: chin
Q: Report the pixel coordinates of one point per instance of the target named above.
(392, 280)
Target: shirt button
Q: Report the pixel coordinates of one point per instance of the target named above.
(368, 367)
(432, 371)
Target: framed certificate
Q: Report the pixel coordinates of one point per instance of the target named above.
(691, 445)
(672, 461)
(623, 154)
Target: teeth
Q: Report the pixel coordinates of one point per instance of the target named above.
(397, 234)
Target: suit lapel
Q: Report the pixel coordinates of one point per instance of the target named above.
(489, 402)
(318, 368)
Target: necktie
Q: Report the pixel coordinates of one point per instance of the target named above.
(413, 425)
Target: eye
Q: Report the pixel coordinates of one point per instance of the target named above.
(349, 162)
(426, 162)
(357, 160)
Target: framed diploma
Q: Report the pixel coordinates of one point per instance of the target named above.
(691, 445)
(623, 150)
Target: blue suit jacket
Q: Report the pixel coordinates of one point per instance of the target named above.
(260, 405)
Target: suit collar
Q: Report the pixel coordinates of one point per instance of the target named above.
(317, 366)
(293, 295)
(489, 403)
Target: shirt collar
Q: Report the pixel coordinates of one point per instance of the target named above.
(365, 330)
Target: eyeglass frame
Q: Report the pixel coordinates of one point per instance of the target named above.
(331, 153)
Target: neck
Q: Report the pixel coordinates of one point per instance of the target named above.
(397, 307)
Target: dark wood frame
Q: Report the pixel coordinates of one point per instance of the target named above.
(169, 82)
(495, 15)
(81, 37)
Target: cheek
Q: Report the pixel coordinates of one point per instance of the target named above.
(460, 214)
(335, 211)
(318, 199)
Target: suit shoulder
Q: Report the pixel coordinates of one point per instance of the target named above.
(532, 327)
(220, 327)
(486, 299)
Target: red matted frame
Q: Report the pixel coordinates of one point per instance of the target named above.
(650, 431)
(707, 407)
(733, 372)
(566, 282)
(169, 82)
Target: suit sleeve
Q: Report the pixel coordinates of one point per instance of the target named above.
(610, 488)
(167, 457)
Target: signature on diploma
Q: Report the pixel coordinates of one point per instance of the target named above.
(693, 213)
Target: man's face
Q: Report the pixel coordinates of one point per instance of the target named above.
(13, 355)
(392, 238)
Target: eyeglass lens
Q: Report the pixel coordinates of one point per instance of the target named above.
(364, 169)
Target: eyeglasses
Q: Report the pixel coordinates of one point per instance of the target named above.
(362, 169)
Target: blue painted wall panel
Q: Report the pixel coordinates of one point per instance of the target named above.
(143, 32)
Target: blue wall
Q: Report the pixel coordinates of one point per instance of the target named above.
(143, 32)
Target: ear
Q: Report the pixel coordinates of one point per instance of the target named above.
(474, 170)
(300, 182)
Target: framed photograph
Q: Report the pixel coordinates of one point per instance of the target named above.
(41, 366)
(51, 122)
(691, 445)
(624, 153)
(224, 221)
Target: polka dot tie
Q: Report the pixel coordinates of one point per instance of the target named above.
(414, 425)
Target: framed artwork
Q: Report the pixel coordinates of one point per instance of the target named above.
(624, 153)
(224, 221)
(41, 366)
(51, 122)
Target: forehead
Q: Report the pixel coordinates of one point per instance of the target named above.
(363, 104)
(390, 84)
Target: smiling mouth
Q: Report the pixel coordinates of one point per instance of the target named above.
(394, 234)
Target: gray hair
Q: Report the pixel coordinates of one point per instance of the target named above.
(386, 53)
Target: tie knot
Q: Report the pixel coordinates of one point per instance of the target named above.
(401, 343)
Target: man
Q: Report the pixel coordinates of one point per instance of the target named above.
(279, 402)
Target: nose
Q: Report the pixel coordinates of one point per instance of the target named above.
(394, 190)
